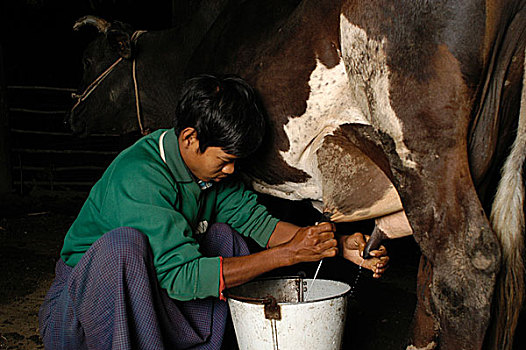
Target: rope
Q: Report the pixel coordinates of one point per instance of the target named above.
(91, 87)
(137, 103)
(134, 38)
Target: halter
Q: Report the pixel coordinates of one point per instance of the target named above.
(91, 87)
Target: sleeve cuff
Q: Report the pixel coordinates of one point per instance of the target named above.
(221, 280)
(264, 238)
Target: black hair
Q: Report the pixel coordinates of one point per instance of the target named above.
(224, 111)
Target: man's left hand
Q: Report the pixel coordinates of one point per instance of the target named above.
(352, 249)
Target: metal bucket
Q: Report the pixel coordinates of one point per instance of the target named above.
(272, 314)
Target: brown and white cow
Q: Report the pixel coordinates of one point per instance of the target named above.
(375, 107)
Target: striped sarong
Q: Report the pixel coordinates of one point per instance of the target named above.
(112, 300)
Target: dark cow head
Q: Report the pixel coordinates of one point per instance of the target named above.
(112, 53)
(160, 59)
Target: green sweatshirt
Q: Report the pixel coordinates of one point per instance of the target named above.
(160, 198)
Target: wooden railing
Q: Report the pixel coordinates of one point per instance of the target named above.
(44, 153)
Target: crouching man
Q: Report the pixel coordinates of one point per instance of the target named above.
(158, 239)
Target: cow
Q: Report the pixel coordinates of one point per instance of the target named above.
(405, 111)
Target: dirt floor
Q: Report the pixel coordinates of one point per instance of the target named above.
(33, 226)
(31, 232)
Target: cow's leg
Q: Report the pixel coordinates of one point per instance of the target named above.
(420, 115)
(458, 270)
(424, 323)
(461, 251)
(457, 273)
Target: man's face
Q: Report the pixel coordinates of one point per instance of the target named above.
(213, 164)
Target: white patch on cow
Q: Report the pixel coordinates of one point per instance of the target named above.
(368, 74)
(328, 107)
(354, 92)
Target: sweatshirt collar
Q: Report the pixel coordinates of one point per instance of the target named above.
(171, 155)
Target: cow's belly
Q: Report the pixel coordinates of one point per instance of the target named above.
(328, 107)
(331, 104)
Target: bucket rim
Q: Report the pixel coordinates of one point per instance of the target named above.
(269, 300)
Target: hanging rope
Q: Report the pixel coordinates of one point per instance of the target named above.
(134, 38)
(91, 87)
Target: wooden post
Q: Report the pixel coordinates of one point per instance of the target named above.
(5, 163)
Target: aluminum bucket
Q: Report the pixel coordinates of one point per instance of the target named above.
(273, 314)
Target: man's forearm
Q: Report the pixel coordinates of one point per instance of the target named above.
(241, 269)
(283, 233)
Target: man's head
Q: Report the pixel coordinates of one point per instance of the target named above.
(224, 113)
(217, 121)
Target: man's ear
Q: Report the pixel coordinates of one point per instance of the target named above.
(189, 138)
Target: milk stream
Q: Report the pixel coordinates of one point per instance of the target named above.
(313, 280)
(353, 285)
(355, 282)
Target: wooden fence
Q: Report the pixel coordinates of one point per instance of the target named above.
(44, 153)
(5, 164)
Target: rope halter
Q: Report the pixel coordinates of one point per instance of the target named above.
(91, 87)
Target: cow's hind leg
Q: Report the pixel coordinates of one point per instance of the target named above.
(460, 251)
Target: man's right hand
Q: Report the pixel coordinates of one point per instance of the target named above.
(313, 243)
(289, 245)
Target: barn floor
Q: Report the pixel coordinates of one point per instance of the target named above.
(32, 228)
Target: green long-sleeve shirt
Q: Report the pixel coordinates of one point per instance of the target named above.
(160, 198)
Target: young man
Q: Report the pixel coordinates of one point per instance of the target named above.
(143, 267)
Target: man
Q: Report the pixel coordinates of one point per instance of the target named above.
(142, 266)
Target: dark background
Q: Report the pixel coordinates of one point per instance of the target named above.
(40, 46)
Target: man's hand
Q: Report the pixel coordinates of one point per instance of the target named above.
(313, 243)
(290, 245)
(352, 249)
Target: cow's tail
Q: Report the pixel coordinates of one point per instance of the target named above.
(507, 220)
